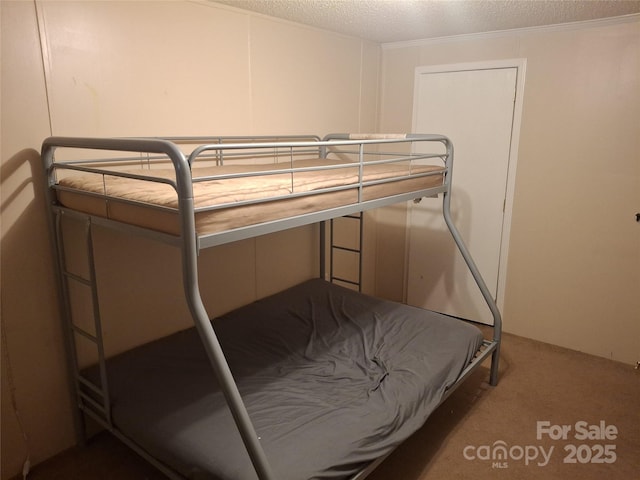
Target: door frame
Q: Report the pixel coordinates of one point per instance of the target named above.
(520, 65)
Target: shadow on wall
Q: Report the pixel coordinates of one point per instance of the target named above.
(27, 262)
(21, 161)
(32, 343)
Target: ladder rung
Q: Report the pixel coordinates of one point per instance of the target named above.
(345, 281)
(358, 251)
(90, 385)
(84, 333)
(93, 403)
(346, 249)
(78, 278)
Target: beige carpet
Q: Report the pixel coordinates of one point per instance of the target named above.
(538, 383)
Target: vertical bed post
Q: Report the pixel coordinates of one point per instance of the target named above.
(323, 251)
(189, 250)
(497, 318)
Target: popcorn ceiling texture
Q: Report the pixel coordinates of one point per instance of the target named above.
(385, 21)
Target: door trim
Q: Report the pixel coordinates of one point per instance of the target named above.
(520, 65)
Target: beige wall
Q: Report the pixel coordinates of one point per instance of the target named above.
(147, 68)
(125, 68)
(573, 276)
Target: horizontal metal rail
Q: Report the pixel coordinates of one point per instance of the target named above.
(128, 228)
(315, 168)
(344, 280)
(117, 160)
(84, 333)
(279, 171)
(78, 278)
(95, 406)
(110, 198)
(115, 173)
(246, 139)
(90, 385)
(346, 249)
(241, 233)
(321, 144)
(319, 191)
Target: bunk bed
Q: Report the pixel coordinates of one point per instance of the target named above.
(318, 381)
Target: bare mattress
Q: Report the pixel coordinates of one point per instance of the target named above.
(224, 202)
(332, 379)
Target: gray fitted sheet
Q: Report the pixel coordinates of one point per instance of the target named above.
(332, 379)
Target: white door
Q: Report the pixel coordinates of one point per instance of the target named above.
(475, 109)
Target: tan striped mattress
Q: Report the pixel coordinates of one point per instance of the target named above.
(102, 195)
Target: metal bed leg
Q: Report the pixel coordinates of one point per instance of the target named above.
(232, 394)
(323, 251)
(497, 318)
(495, 361)
(490, 301)
(214, 349)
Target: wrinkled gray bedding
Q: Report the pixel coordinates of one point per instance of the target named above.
(332, 379)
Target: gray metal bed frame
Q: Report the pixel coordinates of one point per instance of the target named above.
(93, 399)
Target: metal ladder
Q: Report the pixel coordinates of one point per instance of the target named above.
(92, 398)
(352, 250)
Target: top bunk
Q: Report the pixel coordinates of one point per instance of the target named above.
(225, 189)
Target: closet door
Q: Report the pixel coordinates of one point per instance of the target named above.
(475, 109)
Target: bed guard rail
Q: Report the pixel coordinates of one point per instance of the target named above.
(189, 240)
(190, 273)
(350, 151)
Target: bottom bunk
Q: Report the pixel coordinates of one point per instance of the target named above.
(332, 380)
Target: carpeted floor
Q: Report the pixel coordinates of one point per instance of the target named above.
(480, 432)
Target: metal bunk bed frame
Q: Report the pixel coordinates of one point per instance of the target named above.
(190, 243)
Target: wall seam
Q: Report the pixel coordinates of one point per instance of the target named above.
(45, 56)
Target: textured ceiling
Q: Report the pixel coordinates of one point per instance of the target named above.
(386, 21)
